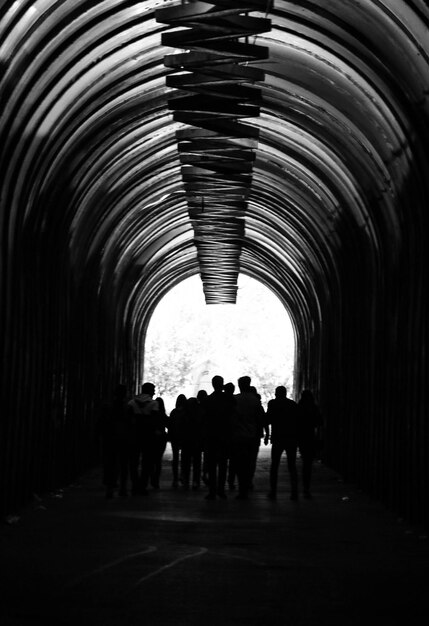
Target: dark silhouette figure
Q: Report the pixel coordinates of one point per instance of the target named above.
(160, 443)
(259, 435)
(201, 398)
(217, 428)
(115, 428)
(309, 421)
(175, 420)
(144, 412)
(247, 422)
(282, 416)
(191, 440)
(229, 389)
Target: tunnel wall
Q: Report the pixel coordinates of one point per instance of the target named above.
(94, 227)
(366, 358)
(374, 369)
(58, 363)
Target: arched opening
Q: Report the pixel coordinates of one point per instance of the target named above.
(188, 342)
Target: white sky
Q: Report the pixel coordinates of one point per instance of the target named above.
(255, 329)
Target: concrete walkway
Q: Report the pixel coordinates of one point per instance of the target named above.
(173, 558)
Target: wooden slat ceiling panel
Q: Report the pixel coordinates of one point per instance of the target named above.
(217, 152)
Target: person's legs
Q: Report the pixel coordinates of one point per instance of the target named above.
(253, 460)
(291, 448)
(231, 471)
(238, 458)
(249, 465)
(205, 471)
(211, 458)
(307, 455)
(157, 465)
(276, 453)
(175, 449)
(243, 456)
(222, 462)
(196, 466)
(147, 463)
(186, 465)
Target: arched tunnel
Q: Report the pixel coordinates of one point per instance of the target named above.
(97, 225)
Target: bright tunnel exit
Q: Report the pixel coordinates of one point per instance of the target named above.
(188, 342)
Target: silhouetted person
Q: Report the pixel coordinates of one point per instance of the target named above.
(217, 433)
(144, 414)
(177, 415)
(191, 441)
(201, 398)
(160, 442)
(282, 415)
(116, 439)
(309, 420)
(229, 389)
(246, 427)
(260, 433)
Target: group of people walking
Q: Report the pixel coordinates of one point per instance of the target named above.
(215, 439)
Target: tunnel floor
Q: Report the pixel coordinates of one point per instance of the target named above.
(173, 558)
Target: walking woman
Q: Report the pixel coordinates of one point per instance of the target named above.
(160, 443)
(175, 421)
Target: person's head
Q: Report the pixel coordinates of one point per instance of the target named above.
(180, 400)
(281, 392)
(161, 404)
(202, 395)
(217, 382)
(148, 388)
(244, 383)
(253, 390)
(229, 388)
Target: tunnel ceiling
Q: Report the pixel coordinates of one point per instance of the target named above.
(91, 166)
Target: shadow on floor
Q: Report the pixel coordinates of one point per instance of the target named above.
(173, 558)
